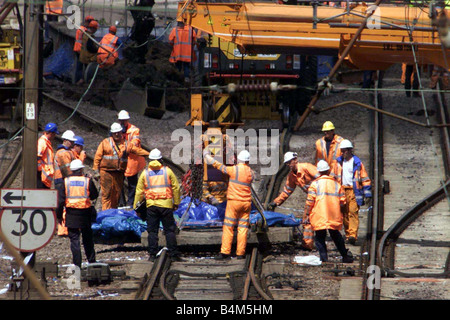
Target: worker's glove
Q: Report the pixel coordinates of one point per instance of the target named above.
(326, 86)
(271, 206)
(214, 201)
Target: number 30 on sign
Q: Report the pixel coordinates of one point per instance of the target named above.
(29, 232)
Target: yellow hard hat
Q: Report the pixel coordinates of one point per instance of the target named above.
(327, 126)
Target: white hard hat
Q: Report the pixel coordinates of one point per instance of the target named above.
(116, 127)
(155, 154)
(345, 144)
(76, 165)
(323, 166)
(123, 115)
(288, 156)
(68, 135)
(244, 155)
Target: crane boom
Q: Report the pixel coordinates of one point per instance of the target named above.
(394, 34)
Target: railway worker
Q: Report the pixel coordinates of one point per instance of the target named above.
(439, 72)
(135, 163)
(63, 158)
(45, 156)
(107, 51)
(77, 47)
(239, 202)
(351, 174)
(182, 39)
(77, 149)
(53, 8)
(327, 147)
(161, 190)
(300, 174)
(89, 48)
(411, 79)
(76, 195)
(110, 163)
(323, 210)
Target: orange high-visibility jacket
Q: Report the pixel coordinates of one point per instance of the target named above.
(110, 156)
(45, 160)
(79, 39)
(77, 192)
(333, 153)
(107, 53)
(63, 158)
(54, 7)
(182, 39)
(135, 163)
(306, 173)
(241, 178)
(325, 197)
(157, 184)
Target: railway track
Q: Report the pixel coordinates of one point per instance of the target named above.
(205, 279)
(408, 230)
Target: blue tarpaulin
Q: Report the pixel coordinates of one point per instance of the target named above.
(119, 223)
(60, 62)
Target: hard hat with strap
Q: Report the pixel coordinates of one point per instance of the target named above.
(327, 126)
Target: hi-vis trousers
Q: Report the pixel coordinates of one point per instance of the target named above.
(351, 218)
(237, 214)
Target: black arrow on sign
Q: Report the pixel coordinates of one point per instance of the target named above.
(8, 197)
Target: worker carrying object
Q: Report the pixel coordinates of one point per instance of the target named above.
(327, 147)
(110, 163)
(77, 47)
(161, 190)
(107, 52)
(136, 163)
(351, 174)
(239, 201)
(300, 174)
(45, 157)
(323, 211)
(89, 48)
(182, 38)
(76, 194)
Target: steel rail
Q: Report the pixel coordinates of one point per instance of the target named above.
(12, 170)
(155, 274)
(255, 281)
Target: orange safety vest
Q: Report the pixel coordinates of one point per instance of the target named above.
(77, 192)
(306, 173)
(135, 162)
(45, 160)
(108, 56)
(54, 7)
(181, 39)
(157, 184)
(325, 195)
(240, 183)
(79, 39)
(333, 153)
(63, 157)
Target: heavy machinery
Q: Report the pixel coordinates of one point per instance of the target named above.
(11, 73)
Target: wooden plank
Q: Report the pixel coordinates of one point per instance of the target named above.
(214, 237)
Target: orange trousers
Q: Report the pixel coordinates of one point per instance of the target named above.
(111, 184)
(237, 214)
(350, 213)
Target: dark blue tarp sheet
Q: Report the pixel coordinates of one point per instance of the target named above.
(60, 62)
(117, 222)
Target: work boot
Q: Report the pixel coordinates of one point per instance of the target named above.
(351, 240)
(348, 258)
(240, 257)
(222, 256)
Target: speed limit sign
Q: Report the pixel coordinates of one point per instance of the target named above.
(28, 230)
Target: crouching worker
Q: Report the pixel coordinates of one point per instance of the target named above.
(76, 194)
(323, 211)
(160, 187)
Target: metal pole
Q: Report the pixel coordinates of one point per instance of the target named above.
(344, 54)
